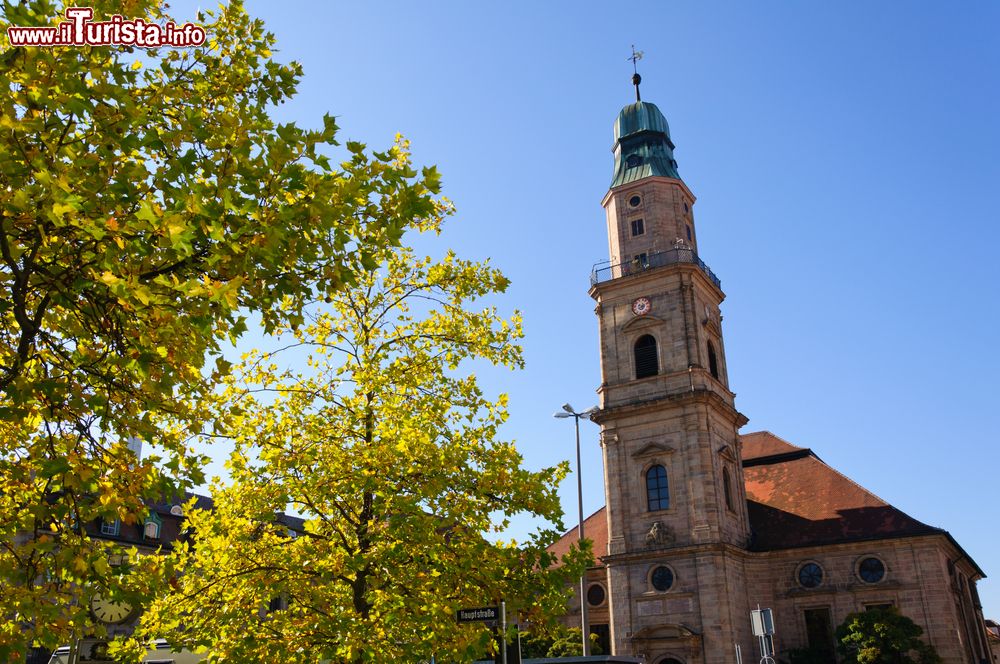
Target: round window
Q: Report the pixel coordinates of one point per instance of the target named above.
(871, 570)
(810, 575)
(595, 595)
(634, 201)
(662, 578)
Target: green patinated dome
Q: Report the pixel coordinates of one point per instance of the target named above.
(640, 116)
(642, 145)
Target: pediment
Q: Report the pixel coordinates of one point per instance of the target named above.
(726, 452)
(674, 631)
(642, 322)
(713, 326)
(650, 449)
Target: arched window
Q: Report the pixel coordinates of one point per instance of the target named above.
(657, 492)
(151, 527)
(646, 364)
(727, 489)
(713, 361)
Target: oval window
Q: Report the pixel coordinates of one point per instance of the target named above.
(634, 201)
(595, 595)
(871, 570)
(810, 575)
(662, 578)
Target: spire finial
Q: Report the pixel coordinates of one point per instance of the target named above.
(636, 79)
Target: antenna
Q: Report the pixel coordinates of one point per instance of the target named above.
(636, 79)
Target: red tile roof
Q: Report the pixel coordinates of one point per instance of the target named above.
(763, 444)
(595, 528)
(795, 499)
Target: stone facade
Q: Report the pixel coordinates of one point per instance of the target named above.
(703, 524)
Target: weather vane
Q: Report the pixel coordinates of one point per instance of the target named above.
(636, 79)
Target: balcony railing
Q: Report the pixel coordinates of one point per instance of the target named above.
(607, 271)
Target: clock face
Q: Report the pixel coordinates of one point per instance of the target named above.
(641, 306)
(109, 612)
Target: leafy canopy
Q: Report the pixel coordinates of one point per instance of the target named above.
(388, 448)
(883, 636)
(148, 204)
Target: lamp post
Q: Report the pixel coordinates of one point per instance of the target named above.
(567, 411)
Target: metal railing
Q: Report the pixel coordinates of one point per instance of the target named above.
(607, 270)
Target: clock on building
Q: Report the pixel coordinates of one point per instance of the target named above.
(641, 306)
(108, 611)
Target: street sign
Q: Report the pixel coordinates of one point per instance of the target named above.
(762, 621)
(481, 614)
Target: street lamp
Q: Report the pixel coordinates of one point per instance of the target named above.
(567, 411)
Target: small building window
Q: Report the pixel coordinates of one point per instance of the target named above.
(662, 578)
(819, 634)
(151, 528)
(111, 528)
(634, 201)
(640, 261)
(727, 489)
(688, 229)
(879, 607)
(603, 632)
(871, 570)
(646, 363)
(637, 227)
(713, 361)
(810, 575)
(632, 161)
(596, 595)
(657, 490)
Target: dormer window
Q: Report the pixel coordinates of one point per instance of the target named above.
(633, 160)
(151, 527)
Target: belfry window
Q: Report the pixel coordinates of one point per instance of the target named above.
(713, 361)
(727, 489)
(646, 364)
(657, 491)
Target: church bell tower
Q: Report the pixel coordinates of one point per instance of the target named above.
(676, 505)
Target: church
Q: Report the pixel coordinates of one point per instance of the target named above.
(703, 523)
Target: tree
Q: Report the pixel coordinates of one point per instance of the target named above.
(389, 449)
(559, 641)
(148, 205)
(883, 637)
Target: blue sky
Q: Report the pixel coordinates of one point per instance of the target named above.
(844, 156)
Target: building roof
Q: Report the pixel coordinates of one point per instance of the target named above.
(795, 500)
(595, 528)
(642, 145)
(763, 444)
(638, 117)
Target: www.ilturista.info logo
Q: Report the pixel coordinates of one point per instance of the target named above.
(80, 30)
